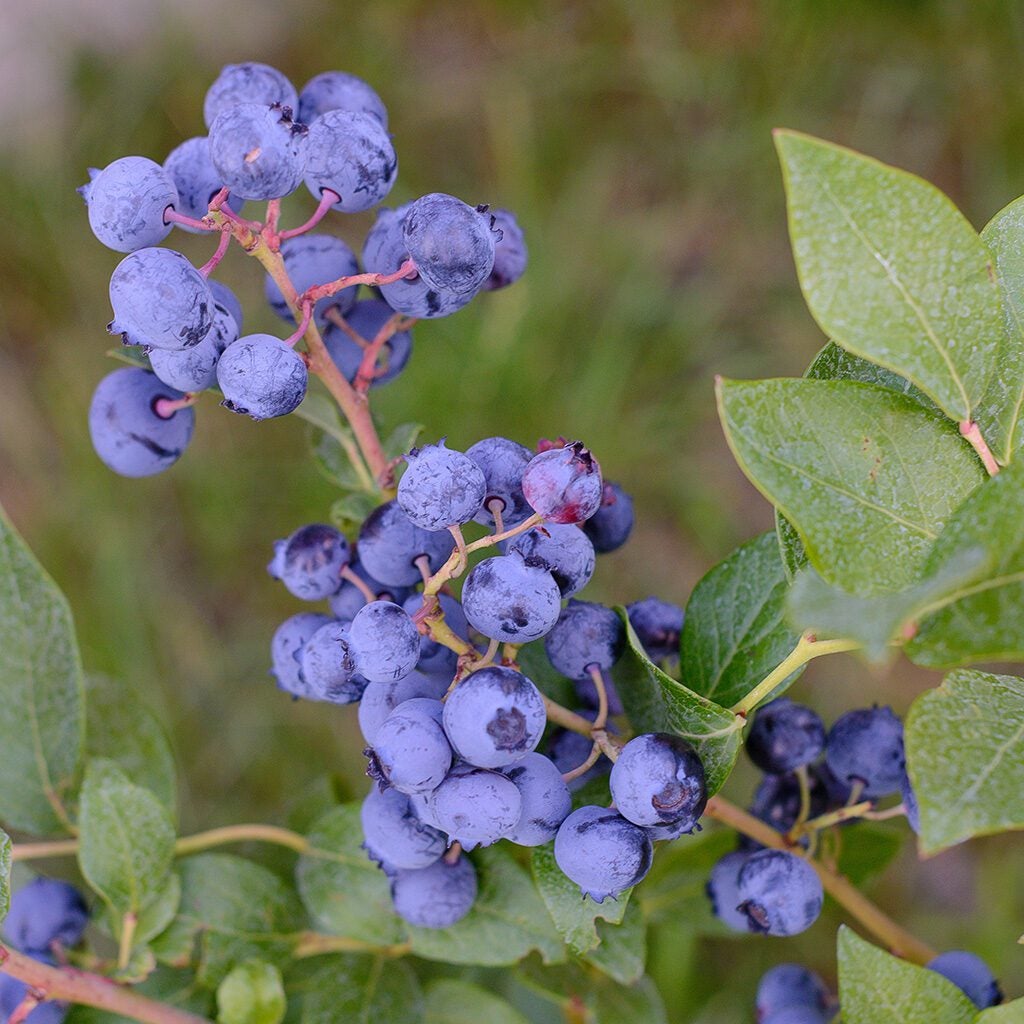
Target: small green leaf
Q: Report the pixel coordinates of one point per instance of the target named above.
(362, 990)
(133, 355)
(5, 874)
(655, 702)
(349, 512)
(622, 953)
(507, 921)
(451, 1001)
(161, 912)
(574, 917)
(536, 666)
(252, 993)
(126, 840)
(734, 633)
(866, 476)
(892, 270)
(343, 890)
(794, 558)
(42, 711)
(965, 756)
(1008, 1013)
(868, 849)
(877, 988)
(402, 440)
(338, 460)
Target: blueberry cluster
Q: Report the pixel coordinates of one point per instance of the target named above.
(46, 917)
(435, 253)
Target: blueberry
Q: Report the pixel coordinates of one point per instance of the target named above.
(225, 297)
(196, 179)
(195, 368)
(310, 260)
(796, 1015)
(658, 625)
(338, 90)
(286, 650)
(262, 377)
(410, 750)
(564, 484)
(349, 598)
(546, 800)
(970, 974)
(602, 852)
(866, 746)
(13, 992)
(258, 151)
(160, 300)
(568, 750)
(586, 635)
(791, 986)
(476, 807)
(127, 201)
(565, 551)
(437, 896)
(723, 891)
(777, 801)
(390, 544)
(310, 561)
(910, 804)
(659, 779)
(495, 717)
(127, 432)
(44, 912)
(510, 253)
(508, 599)
(366, 318)
(610, 526)
(380, 699)
(395, 835)
(435, 657)
(780, 893)
(441, 487)
(247, 83)
(502, 462)
(384, 642)
(327, 668)
(785, 736)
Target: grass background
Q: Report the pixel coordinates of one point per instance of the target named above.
(633, 141)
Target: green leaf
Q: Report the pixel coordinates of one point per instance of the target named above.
(877, 988)
(794, 558)
(333, 444)
(980, 621)
(734, 633)
(121, 728)
(450, 1001)
(1000, 409)
(536, 666)
(655, 702)
(133, 355)
(402, 440)
(343, 890)
(349, 512)
(867, 850)
(362, 990)
(1008, 1013)
(42, 712)
(574, 917)
(5, 874)
(892, 271)
(125, 842)
(866, 477)
(507, 921)
(622, 954)
(231, 910)
(965, 756)
(252, 993)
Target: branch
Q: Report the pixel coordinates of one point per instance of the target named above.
(971, 433)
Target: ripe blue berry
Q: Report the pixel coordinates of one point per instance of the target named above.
(195, 368)
(658, 625)
(659, 779)
(437, 896)
(127, 201)
(785, 736)
(441, 487)
(796, 1015)
(610, 526)
(565, 551)
(366, 318)
(247, 83)
(338, 90)
(970, 974)
(395, 835)
(866, 746)
(310, 561)
(384, 641)
(196, 179)
(722, 890)
(502, 462)
(258, 151)
(127, 432)
(410, 750)
(495, 717)
(286, 650)
(779, 892)
(160, 300)
(564, 484)
(350, 153)
(43, 912)
(435, 657)
(310, 260)
(261, 377)
(910, 804)
(380, 699)
(546, 800)
(223, 296)
(476, 807)
(602, 852)
(390, 544)
(585, 635)
(327, 668)
(508, 599)
(791, 986)
(510, 254)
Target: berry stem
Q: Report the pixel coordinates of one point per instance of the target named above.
(971, 433)
(894, 936)
(165, 408)
(222, 247)
(582, 769)
(322, 291)
(367, 367)
(33, 997)
(270, 224)
(171, 216)
(315, 944)
(823, 821)
(327, 200)
(567, 719)
(335, 317)
(124, 950)
(296, 336)
(359, 583)
(496, 506)
(804, 782)
(602, 696)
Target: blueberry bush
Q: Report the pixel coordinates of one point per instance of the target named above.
(547, 775)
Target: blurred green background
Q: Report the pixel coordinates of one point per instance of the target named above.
(633, 141)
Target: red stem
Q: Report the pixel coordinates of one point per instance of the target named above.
(327, 200)
(322, 291)
(171, 216)
(165, 408)
(368, 365)
(222, 247)
(307, 312)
